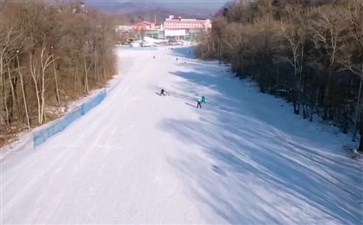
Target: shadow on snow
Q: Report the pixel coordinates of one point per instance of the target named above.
(253, 169)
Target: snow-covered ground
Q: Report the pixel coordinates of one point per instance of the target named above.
(138, 157)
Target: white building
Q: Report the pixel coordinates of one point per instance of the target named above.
(123, 28)
(185, 28)
(172, 28)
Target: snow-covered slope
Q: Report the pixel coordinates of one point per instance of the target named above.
(143, 158)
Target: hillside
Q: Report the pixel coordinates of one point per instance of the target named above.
(134, 12)
(142, 158)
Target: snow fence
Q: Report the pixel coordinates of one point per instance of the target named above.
(42, 135)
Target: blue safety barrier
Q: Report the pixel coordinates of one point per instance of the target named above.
(41, 136)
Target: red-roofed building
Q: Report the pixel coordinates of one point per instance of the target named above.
(143, 25)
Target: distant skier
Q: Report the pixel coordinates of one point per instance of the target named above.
(162, 92)
(199, 104)
(203, 100)
(200, 101)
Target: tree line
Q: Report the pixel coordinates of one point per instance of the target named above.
(309, 52)
(50, 54)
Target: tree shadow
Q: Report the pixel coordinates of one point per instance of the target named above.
(247, 165)
(250, 168)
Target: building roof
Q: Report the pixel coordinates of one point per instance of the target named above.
(144, 23)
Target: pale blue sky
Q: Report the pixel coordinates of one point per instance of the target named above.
(207, 4)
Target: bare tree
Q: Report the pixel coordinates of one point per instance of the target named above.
(23, 91)
(46, 60)
(55, 53)
(318, 41)
(55, 77)
(352, 58)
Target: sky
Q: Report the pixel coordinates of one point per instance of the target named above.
(207, 4)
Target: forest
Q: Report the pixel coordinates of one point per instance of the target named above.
(50, 54)
(308, 52)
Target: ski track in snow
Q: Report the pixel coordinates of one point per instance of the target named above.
(143, 158)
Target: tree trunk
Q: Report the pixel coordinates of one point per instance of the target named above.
(23, 93)
(45, 62)
(75, 78)
(103, 73)
(360, 148)
(357, 110)
(95, 58)
(86, 87)
(10, 98)
(5, 99)
(42, 114)
(34, 76)
(56, 81)
(300, 80)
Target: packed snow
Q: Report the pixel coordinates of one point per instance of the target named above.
(139, 157)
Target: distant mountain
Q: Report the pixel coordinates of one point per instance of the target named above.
(137, 11)
(123, 7)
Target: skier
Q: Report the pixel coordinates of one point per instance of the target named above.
(162, 92)
(199, 103)
(203, 100)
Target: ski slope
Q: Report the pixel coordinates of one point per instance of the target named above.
(138, 157)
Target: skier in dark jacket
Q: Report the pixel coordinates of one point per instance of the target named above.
(199, 103)
(162, 92)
